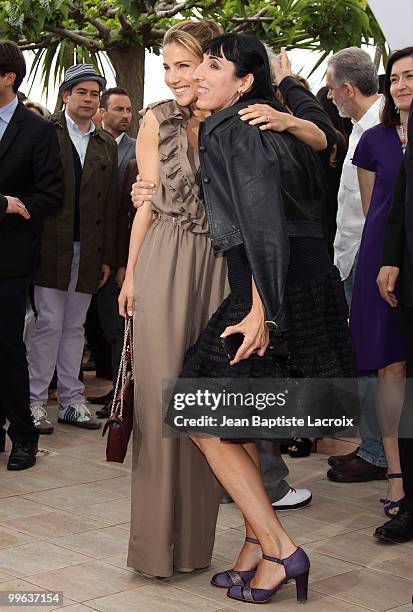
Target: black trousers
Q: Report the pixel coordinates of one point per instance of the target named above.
(112, 323)
(96, 339)
(406, 423)
(14, 396)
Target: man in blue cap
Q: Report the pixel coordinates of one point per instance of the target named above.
(77, 251)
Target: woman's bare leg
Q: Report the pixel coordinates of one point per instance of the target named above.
(250, 554)
(240, 476)
(390, 394)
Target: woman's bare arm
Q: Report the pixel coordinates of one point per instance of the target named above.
(147, 157)
(253, 328)
(366, 182)
(267, 118)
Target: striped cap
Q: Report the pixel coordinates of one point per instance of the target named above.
(81, 72)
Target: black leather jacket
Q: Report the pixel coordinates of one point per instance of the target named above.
(259, 188)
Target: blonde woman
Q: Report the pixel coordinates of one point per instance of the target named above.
(173, 284)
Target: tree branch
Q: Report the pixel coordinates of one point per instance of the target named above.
(76, 38)
(42, 44)
(156, 34)
(173, 11)
(103, 30)
(258, 17)
(125, 25)
(251, 19)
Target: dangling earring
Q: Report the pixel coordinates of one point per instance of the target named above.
(397, 109)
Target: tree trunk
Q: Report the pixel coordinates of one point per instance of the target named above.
(377, 55)
(129, 66)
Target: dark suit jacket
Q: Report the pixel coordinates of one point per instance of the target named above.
(30, 169)
(126, 152)
(398, 237)
(126, 214)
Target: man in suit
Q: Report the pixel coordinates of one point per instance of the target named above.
(31, 184)
(116, 113)
(78, 251)
(397, 264)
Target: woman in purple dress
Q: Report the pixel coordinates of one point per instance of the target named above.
(374, 325)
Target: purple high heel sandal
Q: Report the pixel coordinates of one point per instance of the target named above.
(297, 567)
(388, 504)
(225, 580)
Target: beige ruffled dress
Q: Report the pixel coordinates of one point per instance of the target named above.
(179, 283)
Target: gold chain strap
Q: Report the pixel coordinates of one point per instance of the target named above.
(123, 367)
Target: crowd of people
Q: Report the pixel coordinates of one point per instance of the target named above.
(245, 207)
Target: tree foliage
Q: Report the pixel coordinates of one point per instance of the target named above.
(62, 32)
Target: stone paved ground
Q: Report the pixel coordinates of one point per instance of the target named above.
(64, 526)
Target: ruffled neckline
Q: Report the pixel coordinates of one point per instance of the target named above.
(177, 174)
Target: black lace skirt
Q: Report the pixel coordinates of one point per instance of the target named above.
(318, 338)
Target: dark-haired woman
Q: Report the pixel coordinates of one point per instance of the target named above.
(375, 326)
(264, 212)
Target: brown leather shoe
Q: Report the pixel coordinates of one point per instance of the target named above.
(336, 460)
(357, 470)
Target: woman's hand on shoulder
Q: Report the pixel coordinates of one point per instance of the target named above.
(255, 332)
(142, 191)
(266, 117)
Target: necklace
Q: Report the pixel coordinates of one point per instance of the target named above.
(402, 137)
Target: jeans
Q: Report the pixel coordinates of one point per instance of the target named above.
(371, 447)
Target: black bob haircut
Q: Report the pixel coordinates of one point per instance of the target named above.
(249, 56)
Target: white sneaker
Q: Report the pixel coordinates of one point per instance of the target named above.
(78, 415)
(40, 418)
(293, 499)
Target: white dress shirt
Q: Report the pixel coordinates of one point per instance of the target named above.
(80, 140)
(119, 138)
(350, 215)
(6, 113)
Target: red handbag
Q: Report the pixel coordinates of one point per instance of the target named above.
(120, 423)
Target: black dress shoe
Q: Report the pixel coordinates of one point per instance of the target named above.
(101, 399)
(399, 529)
(357, 470)
(336, 460)
(104, 413)
(22, 456)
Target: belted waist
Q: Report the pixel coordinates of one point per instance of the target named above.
(304, 229)
(165, 217)
(310, 229)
